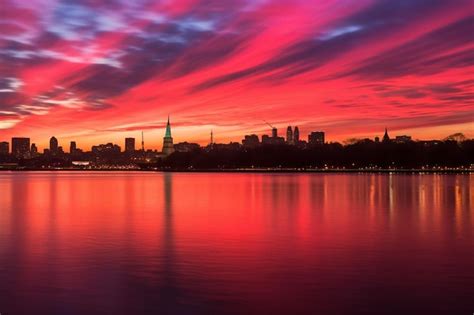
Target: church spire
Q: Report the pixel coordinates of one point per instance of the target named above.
(168, 129)
(386, 138)
(168, 146)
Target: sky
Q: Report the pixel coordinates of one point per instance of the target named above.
(99, 71)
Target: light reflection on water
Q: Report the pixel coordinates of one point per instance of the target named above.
(180, 243)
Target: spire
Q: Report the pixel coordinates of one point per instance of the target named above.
(386, 138)
(168, 129)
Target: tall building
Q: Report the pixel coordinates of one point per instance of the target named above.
(72, 147)
(168, 147)
(129, 145)
(21, 148)
(34, 150)
(4, 148)
(316, 138)
(386, 138)
(289, 135)
(296, 135)
(274, 132)
(53, 145)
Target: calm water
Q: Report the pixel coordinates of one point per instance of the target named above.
(151, 243)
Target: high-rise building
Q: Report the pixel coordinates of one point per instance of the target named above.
(296, 135)
(72, 147)
(274, 132)
(21, 148)
(129, 145)
(168, 147)
(53, 145)
(316, 138)
(34, 150)
(4, 148)
(289, 135)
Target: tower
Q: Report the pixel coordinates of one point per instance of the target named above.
(289, 135)
(53, 145)
(296, 135)
(143, 143)
(72, 147)
(129, 145)
(212, 137)
(33, 150)
(168, 147)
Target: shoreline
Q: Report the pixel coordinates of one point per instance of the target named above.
(303, 171)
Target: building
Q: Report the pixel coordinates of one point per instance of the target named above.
(53, 145)
(73, 147)
(402, 139)
(296, 135)
(274, 132)
(168, 147)
(251, 141)
(21, 148)
(108, 148)
(34, 150)
(129, 145)
(316, 138)
(186, 147)
(289, 135)
(386, 138)
(4, 148)
(272, 140)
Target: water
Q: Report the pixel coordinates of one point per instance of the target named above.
(152, 243)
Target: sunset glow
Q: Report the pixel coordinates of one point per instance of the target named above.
(95, 72)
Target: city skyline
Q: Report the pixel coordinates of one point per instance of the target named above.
(101, 72)
(271, 131)
(289, 135)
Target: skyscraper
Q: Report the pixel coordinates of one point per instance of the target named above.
(4, 148)
(129, 145)
(72, 147)
(34, 150)
(168, 147)
(53, 145)
(289, 135)
(296, 135)
(21, 148)
(274, 132)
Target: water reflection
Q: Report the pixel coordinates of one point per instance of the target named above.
(234, 243)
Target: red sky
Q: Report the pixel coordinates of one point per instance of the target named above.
(99, 71)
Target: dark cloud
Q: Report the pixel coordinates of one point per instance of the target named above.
(422, 55)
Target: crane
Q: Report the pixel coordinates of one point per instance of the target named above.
(274, 130)
(268, 124)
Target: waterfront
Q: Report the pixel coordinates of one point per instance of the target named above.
(235, 243)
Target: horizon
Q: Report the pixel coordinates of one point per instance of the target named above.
(157, 144)
(96, 73)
